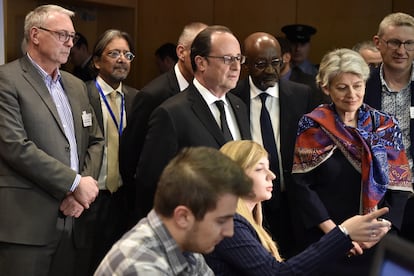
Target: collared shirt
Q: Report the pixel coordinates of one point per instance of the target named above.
(272, 105)
(182, 82)
(65, 115)
(149, 249)
(398, 103)
(211, 99)
(107, 89)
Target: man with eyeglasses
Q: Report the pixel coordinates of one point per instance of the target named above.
(391, 86)
(106, 221)
(275, 126)
(51, 150)
(204, 114)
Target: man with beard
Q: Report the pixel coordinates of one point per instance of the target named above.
(285, 103)
(112, 101)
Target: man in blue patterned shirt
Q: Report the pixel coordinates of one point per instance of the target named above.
(193, 211)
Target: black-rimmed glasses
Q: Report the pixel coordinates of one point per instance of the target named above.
(263, 64)
(63, 36)
(230, 59)
(394, 44)
(115, 54)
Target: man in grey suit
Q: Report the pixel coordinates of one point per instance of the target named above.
(106, 220)
(51, 150)
(285, 102)
(192, 117)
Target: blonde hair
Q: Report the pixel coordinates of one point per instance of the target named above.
(395, 19)
(247, 154)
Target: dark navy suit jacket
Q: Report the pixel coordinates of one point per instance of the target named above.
(183, 120)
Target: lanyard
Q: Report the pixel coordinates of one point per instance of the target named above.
(121, 121)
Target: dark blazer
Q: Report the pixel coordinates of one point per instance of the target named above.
(95, 100)
(244, 254)
(35, 172)
(184, 120)
(132, 140)
(373, 97)
(295, 101)
(318, 97)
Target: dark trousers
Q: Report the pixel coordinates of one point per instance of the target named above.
(104, 223)
(55, 258)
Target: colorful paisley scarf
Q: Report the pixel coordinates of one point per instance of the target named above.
(374, 148)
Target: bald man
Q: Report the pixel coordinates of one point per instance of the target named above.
(286, 102)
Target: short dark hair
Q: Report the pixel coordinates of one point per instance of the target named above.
(201, 45)
(167, 50)
(196, 178)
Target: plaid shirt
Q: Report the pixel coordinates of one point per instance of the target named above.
(149, 249)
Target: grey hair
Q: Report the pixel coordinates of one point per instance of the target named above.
(341, 61)
(189, 32)
(38, 16)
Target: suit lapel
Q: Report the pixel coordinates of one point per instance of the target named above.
(32, 76)
(203, 113)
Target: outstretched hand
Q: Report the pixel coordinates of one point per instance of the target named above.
(367, 230)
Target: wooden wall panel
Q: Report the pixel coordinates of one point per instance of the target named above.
(341, 23)
(161, 21)
(151, 23)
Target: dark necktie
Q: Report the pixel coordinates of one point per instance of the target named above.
(268, 138)
(224, 126)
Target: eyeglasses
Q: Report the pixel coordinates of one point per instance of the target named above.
(262, 64)
(230, 59)
(115, 54)
(63, 36)
(394, 44)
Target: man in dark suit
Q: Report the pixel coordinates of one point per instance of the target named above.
(296, 74)
(390, 86)
(107, 219)
(51, 150)
(150, 97)
(192, 117)
(286, 103)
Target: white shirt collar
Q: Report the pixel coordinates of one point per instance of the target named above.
(182, 82)
(272, 91)
(209, 97)
(106, 88)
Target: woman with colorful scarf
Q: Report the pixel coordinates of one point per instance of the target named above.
(349, 159)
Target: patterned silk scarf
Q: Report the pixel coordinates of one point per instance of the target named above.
(374, 148)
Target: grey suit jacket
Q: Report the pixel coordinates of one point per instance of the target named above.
(35, 172)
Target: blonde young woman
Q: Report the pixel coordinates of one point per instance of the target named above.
(251, 251)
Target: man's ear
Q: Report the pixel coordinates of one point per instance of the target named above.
(286, 57)
(183, 217)
(180, 52)
(200, 63)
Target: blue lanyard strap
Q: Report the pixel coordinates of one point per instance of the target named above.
(108, 106)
